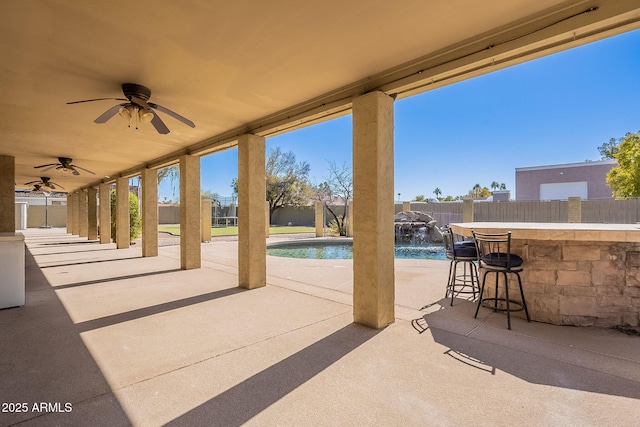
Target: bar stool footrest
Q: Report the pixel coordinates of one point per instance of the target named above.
(520, 305)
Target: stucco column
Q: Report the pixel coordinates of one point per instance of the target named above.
(373, 235)
(406, 206)
(574, 207)
(467, 210)
(69, 214)
(189, 212)
(252, 250)
(105, 213)
(149, 212)
(83, 214)
(7, 194)
(122, 213)
(319, 219)
(205, 219)
(92, 214)
(75, 210)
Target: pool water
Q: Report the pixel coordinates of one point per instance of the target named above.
(343, 250)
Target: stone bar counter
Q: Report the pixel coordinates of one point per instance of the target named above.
(574, 274)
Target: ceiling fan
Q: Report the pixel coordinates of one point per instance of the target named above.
(137, 108)
(44, 181)
(64, 163)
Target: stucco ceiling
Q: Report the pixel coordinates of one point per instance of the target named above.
(246, 66)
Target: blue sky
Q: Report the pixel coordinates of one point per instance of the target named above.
(557, 109)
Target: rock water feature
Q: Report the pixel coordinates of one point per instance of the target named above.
(416, 227)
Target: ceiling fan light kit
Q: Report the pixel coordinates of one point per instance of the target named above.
(138, 109)
(44, 181)
(64, 165)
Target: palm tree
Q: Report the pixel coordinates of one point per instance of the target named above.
(437, 192)
(495, 185)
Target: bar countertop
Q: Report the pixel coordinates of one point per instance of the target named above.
(11, 237)
(554, 231)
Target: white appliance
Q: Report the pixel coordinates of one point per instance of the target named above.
(11, 270)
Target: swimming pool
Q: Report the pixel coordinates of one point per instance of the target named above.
(341, 249)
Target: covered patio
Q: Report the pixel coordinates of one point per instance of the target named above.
(132, 340)
(220, 333)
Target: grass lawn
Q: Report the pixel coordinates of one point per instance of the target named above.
(233, 231)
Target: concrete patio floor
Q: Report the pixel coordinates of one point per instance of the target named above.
(110, 338)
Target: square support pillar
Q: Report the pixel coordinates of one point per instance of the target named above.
(574, 206)
(149, 212)
(83, 214)
(75, 211)
(92, 214)
(105, 213)
(123, 239)
(205, 219)
(319, 219)
(69, 218)
(7, 194)
(468, 214)
(190, 212)
(252, 189)
(373, 234)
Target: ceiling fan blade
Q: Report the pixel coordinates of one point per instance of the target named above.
(73, 171)
(81, 168)
(97, 99)
(32, 182)
(159, 125)
(57, 166)
(109, 113)
(172, 114)
(58, 185)
(44, 166)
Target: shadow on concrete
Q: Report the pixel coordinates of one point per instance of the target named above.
(155, 309)
(117, 278)
(83, 251)
(239, 404)
(530, 358)
(43, 359)
(90, 262)
(58, 243)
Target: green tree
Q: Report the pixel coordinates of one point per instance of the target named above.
(609, 149)
(437, 192)
(495, 185)
(135, 222)
(478, 192)
(420, 198)
(287, 180)
(173, 174)
(234, 188)
(208, 194)
(624, 179)
(338, 188)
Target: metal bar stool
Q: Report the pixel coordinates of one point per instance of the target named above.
(494, 256)
(463, 252)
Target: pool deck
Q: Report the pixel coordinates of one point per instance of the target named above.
(127, 340)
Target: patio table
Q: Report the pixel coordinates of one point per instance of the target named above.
(575, 273)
